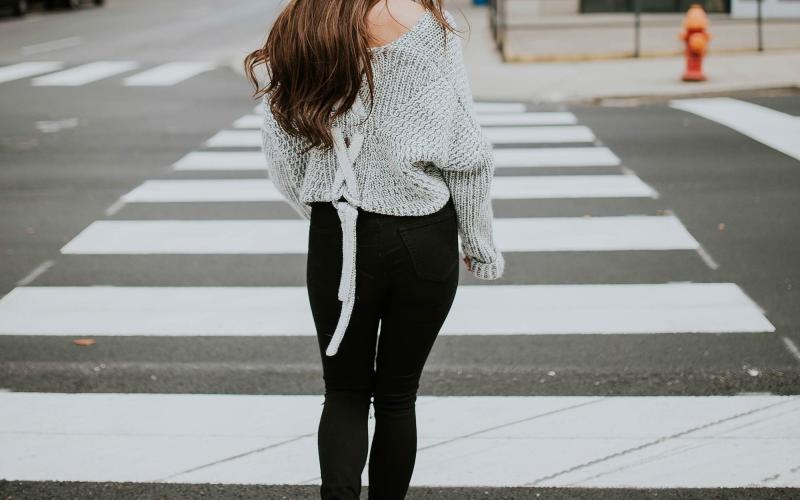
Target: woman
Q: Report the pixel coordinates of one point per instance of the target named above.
(370, 132)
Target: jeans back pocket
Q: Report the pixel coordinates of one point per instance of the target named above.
(432, 246)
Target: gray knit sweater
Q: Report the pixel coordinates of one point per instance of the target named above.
(420, 145)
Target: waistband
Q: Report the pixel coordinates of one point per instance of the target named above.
(328, 212)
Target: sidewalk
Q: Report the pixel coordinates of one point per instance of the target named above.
(530, 38)
(588, 80)
(493, 79)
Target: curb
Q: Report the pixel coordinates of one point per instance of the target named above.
(512, 58)
(640, 99)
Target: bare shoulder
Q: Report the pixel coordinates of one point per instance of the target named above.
(389, 19)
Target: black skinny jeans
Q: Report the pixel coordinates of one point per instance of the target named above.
(407, 270)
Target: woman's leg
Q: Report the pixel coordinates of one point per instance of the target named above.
(424, 258)
(348, 375)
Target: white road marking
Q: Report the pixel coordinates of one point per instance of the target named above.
(235, 139)
(203, 190)
(190, 237)
(701, 251)
(618, 441)
(61, 43)
(557, 234)
(499, 107)
(520, 234)
(497, 135)
(539, 135)
(168, 74)
(570, 186)
(249, 121)
(38, 271)
(503, 188)
(53, 126)
(777, 130)
(485, 119)
(26, 69)
(791, 347)
(86, 73)
(115, 207)
(480, 107)
(555, 157)
(541, 118)
(707, 258)
(217, 160)
(477, 310)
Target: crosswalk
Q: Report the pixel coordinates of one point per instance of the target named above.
(587, 441)
(513, 234)
(775, 129)
(57, 74)
(505, 188)
(479, 310)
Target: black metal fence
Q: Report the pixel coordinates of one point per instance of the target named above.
(633, 18)
(587, 6)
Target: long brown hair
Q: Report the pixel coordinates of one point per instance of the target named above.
(316, 55)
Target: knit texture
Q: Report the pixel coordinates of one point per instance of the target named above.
(419, 144)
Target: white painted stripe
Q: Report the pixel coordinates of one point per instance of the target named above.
(539, 135)
(522, 234)
(777, 130)
(573, 441)
(235, 139)
(791, 347)
(86, 73)
(40, 269)
(217, 160)
(204, 190)
(499, 107)
(480, 107)
(555, 157)
(630, 232)
(485, 119)
(497, 135)
(570, 186)
(41, 48)
(504, 157)
(503, 187)
(26, 69)
(605, 309)
(168, 74)
(249, 121)
(558, 234)
(477, 310)
(544, 118)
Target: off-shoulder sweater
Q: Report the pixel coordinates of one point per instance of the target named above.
(421, 145)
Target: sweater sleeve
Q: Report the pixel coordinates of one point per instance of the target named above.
(286, 162)
(469, 169)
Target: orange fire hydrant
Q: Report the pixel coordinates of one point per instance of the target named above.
(696, 36)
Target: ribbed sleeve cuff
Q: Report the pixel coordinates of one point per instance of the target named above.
(489, 270)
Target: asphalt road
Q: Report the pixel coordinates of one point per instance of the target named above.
(69, 153)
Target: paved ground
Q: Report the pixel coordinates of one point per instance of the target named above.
(651, 293)
(532, 37)
(566, 80)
